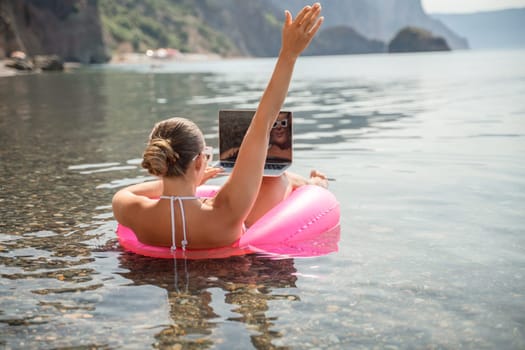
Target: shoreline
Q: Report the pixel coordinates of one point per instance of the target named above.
(141, 58)
(9, 72)
(121, 59)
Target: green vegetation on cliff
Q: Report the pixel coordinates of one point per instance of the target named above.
(149, 24)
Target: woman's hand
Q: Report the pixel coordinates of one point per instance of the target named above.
(297, 34)
(210, 173)
(318, 179)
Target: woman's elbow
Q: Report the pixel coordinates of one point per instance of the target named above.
(117, 204)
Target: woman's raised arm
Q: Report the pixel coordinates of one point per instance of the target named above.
(240, 191)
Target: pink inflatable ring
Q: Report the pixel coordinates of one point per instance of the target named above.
(304, 224)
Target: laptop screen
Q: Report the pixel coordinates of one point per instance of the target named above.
(233, 125)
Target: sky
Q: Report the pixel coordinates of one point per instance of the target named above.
(463, 6)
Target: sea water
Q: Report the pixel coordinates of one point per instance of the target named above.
(428, 155)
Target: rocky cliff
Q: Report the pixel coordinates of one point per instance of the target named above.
(68, 28)
(379, 19)
(82, 30)
(252, 26)
(226, 27)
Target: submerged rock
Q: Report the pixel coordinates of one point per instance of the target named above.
(37, 63)
(48, 62)
(19, 64)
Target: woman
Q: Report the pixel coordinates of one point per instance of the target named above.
(177, 153)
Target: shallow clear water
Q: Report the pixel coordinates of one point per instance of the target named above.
(427, 151)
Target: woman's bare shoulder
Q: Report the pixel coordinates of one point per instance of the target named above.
(129, 208)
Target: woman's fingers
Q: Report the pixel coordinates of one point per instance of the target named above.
(315, 173)
(288, 18)
(213, 171)
(210, 173)
(307, 14)
(316, 26)
(313, 21)
(300, 16)
(317, 178)
(310, 17)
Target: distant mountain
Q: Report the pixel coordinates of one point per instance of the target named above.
(82, 30)
(379, 19)
(343, 40)
(487, 30)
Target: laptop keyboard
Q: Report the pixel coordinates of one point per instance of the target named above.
(266, 166)
(274, 166)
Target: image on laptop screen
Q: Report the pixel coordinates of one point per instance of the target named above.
(233, 125)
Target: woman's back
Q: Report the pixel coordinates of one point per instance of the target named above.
(203, 225)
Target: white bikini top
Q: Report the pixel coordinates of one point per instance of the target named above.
(179, 199)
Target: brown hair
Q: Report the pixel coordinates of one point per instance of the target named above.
(172, 145)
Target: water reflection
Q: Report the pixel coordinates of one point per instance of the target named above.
(326, 112)
(246, 284)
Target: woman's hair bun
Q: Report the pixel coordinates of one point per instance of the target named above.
(159, 157)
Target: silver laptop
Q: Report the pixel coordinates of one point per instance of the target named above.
(233, 125)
